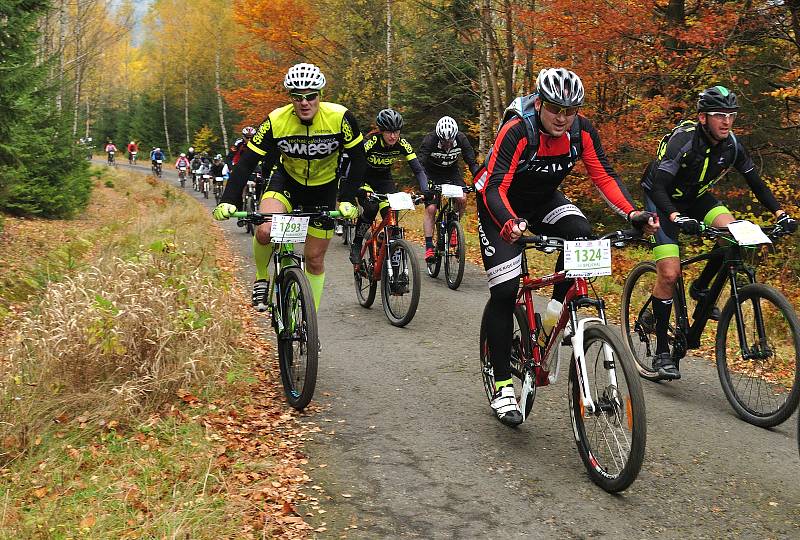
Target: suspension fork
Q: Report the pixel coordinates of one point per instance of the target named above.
(579, 353)
(747, 354)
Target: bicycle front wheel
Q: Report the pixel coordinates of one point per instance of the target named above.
(454, 255)
(366, 286)
(761, 386)
(298, 342)
(400, 292)
(612, 438)
(638, 322)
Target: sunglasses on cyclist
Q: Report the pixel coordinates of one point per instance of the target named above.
(298, 97)
(554, 109)
(722, 115)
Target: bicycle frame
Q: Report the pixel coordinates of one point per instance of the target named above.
(577, 297)
(391, 231)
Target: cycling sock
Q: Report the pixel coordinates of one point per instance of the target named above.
(316, 281)
(262, 255)
(661, 311)
(499, 384)
(712, 267)
(429, 242)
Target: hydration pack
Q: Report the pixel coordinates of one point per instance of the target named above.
(690, 125)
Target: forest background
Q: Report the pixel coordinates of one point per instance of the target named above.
(195, 72)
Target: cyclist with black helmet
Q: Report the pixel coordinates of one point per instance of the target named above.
(538, 144)
(439, 153)
(676, 184)
(383, 147)
(304, 142)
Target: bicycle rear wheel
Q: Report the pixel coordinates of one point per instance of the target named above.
(638, 322)
(454, 255)
(400, 292)
(435, 264)
(298, 343)
(366, 286)
(520, 348)
(610, 440)
(763, 389)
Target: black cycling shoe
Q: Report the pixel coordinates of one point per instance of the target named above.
(699, 294)
(666, 368)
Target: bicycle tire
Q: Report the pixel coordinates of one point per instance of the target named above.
(393, 295)
(454, 256)
(783, 333)
(435, 265)
(299, 336)
(366, 286)
(346, 237)
(623, 415)
(520, 345)
(639, 335)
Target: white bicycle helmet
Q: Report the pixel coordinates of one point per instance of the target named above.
(304, 77)
(446, 128)
(191, 149)
(560, 86)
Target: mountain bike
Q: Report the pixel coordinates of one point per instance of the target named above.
(182, 176)
(606, 402)
(290, 301)
(132, 158)
(156, 167)
(758, 333)
(387, 258)
(250, 204)
(205, 184)
(448, 243)
(111, 160)
(218, 185)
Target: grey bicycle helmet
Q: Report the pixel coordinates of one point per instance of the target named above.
(389, 120)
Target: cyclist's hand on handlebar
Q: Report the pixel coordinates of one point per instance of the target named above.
(348, 210)
(647, 222)
(513, 229)
(688, 225)
(223, 211)
(787, 222)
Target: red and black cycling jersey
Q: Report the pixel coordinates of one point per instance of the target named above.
(508, 188)
(688, 165)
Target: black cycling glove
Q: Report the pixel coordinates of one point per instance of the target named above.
(787, 223)
(688, 225)
(640, 219)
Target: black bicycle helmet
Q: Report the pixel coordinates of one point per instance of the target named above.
(715, 98)
(389, 120)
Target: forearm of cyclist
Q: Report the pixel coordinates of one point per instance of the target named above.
(355, 174)
(506, 152)
(239, 177)
(469, 153)
(419, 173)
(762, 191)
(603, 175)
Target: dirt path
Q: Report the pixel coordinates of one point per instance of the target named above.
(407, 445)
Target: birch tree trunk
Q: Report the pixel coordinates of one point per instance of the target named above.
(219, 98)
(77, 102)
(388, 53)
(164, 112)
(62, 39)
(88, 122)
(186, 100)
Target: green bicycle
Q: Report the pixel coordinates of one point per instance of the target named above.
(290, 302)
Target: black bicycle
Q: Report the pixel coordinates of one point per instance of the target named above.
(250, 204)
(291, 303)
(758, 336)
(448, 241)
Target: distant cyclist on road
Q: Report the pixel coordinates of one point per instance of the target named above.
(439, 153)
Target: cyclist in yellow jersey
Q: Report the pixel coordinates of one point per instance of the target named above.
(304, 142)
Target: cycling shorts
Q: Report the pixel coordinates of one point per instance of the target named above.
(704, 208)
(293, 194)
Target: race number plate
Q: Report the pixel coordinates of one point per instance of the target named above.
(400, 201)
(587, 258)
(453, 192)
(748, 233)
(287, 228)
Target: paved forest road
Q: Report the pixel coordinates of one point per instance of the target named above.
(412, 450)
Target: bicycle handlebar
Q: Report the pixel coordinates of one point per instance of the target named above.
(772, 231)
(542, 242)
(438, 188)
(415, 197)
(258, 218)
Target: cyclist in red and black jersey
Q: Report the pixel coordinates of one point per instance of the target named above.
(383, 148)
(518, 187)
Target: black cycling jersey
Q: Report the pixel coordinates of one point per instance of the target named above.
(440, 161)
(690, 165)
(381, 157)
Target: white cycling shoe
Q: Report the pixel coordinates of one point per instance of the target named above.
(505, 406)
